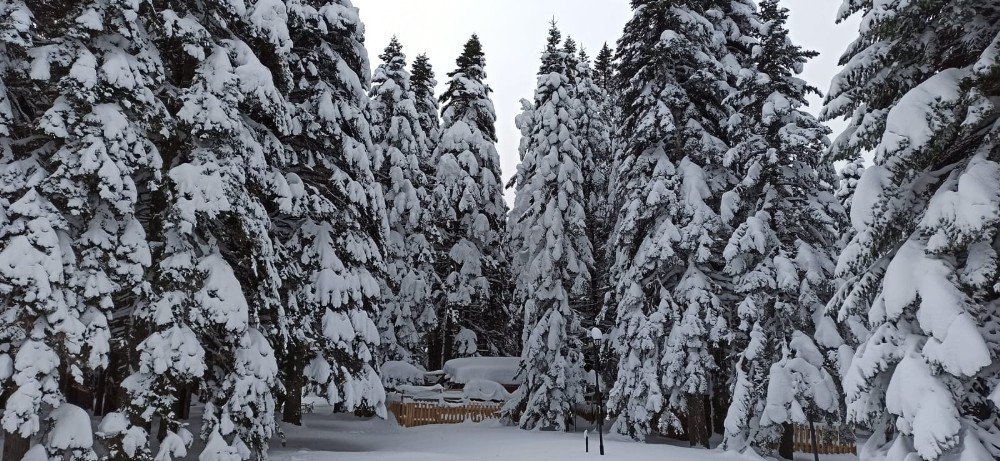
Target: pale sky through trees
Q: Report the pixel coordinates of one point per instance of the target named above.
(513, 33)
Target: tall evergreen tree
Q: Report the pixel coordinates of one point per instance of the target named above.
(781, 253)
(551, 248)
(333, 222)
(215, 278)
(594, 135)
(604, 68)
(920, 89)
(470, 212)
(407, 313)
(423, 84)
(79, 158)
(669, 289)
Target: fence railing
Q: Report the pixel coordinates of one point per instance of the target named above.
(413, 414)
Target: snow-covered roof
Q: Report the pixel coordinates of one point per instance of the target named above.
(500, 369)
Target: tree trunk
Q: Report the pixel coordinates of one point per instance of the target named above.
(183, 406)
(292, 409)
(435, 349)
(697, 420)
(442, 344)
(720, 407)
(786, 448)
(14, 446)
(99, 393)
(161, 431)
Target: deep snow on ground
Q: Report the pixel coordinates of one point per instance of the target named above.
(325, 436)
(328, 437)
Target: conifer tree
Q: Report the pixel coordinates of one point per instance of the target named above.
(669, 291)
(604, 68)
(594, 135)
(33, 237)
(919, 87)
(333, 222)
(605, 77)
(215, 276)
(423, 84)
(781, 254)
(551, 247)
(81, 173)
(407, 312)
(470, 212)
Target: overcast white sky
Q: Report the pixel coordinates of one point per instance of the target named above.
(513, 34)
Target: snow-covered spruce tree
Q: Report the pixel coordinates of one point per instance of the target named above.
(93, 86)
(920, 89)
(36, 305)
(854, 321)
(215, 279)
(470, 213)
(334, 222)
(551, 249)
(604, 68)
(422, 83)
(407, 311)
(594, 139)
(781, 253)
(668, 287)
(605, 77)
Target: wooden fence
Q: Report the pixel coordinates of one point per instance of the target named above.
(829, 440)
(412, 414)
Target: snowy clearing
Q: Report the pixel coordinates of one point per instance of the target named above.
(344, 438)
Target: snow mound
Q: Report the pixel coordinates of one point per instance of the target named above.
(396, 373)
(70, 428)
(486, 390)
(435, 392)
(500, 369)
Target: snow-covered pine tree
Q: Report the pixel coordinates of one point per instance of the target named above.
(94, 86)
(669, 289)
(470, 212)
(215, 280)
(334, 222)
(423, 84)
(781, 253)
(42, 336)
(551, 248)
(604, 68)
(570, 51)
(33, 236)
(594, 139)
(605, 76)
(407, 311)
(855, 321)
(920, 89)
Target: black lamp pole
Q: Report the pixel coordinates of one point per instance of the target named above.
(597, 336)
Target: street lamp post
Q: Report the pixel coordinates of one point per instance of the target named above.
(597, 336)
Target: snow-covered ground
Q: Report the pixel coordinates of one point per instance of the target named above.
(326, 437)
(338, 437)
